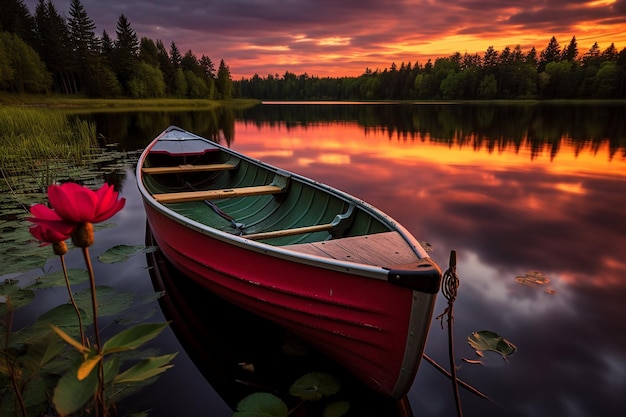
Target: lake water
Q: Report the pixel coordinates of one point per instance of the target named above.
(531, 197)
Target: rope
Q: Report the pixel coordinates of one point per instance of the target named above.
(449, 287)
(221, 213)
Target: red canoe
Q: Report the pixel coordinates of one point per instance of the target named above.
(327, 266)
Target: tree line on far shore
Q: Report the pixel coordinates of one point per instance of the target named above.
(45, 52)
(553, 73)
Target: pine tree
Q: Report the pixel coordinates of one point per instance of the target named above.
(175, 57)
(15, 18)
(148, 52)
(571, 52)
(53, 46)
(126, 51)
(207, 66)
(224, 82)
(83, 42)
(166, 66)
(552, 53)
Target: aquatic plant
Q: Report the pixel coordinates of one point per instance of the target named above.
(35, 363)
(30, 134)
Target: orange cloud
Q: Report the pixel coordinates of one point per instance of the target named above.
(343, 38)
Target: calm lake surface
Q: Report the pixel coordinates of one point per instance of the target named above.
(531, 197)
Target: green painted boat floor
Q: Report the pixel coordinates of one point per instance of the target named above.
(301, 205)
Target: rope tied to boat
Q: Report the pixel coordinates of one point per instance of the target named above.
(235, 224)
(450, 283)
(449, 287)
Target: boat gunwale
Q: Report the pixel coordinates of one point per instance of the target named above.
(282, 252)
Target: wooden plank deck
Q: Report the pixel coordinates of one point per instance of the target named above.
(380, 249)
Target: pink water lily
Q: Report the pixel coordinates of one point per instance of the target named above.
(46, 234)
(49, 226)
(77, 204)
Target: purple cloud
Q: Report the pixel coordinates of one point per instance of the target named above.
(330, 38)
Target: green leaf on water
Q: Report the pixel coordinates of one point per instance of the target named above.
(119, 253)
(148, 298)
(57, 279)
(12, 296)
(315, 386)
(145, 369)
(261, 404)
(110, 301)
(64, 317)
(133, 337)
(71, 394)
(487, 340)
(336, 409)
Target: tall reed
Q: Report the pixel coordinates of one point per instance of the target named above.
(30, 134)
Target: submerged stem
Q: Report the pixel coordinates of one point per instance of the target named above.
(10, 362)
(69, 290)
(100, 402)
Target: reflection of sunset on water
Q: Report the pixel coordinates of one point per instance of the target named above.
(514, 204)
(352, 139)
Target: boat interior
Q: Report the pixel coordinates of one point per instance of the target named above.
(242, 197)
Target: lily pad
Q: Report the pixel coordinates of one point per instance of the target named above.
(261, 404)
(487, 340)
(57, 279)
(119, 253)
(12, 296)
(110, 301)
(336, 409)
(532, 278)
(64, 316)
(315, 386)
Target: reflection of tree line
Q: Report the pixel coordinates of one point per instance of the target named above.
(134, 130)
(482, 126)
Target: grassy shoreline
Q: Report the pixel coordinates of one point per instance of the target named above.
(74, 103)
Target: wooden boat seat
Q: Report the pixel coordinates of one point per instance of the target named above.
(180, 169)
(279, 185)
(217, 194)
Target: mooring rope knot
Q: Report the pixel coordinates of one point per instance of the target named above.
(449, 286)
(450, 283)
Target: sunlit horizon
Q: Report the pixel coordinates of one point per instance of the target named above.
(344, 39)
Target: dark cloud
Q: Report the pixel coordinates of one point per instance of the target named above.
(323, 37)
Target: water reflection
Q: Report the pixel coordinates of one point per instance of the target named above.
(512, 188)
(240, 353)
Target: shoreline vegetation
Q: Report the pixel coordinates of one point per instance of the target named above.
(33, 127)
(73, 102)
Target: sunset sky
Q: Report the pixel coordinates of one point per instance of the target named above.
(344, 37)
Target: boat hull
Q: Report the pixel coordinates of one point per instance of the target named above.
(362, 325)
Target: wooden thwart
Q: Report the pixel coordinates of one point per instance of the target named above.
(217, 194)
(188, 168)
(289, 232)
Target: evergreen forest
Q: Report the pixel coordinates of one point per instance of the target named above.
(46, 53)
